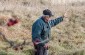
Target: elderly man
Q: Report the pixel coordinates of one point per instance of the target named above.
(41, 30)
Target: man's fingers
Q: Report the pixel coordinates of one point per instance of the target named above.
(36, 43)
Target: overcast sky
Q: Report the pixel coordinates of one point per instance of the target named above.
(66, 1)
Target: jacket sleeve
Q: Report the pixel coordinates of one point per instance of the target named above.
(56, 21)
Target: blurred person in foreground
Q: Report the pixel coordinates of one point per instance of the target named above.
(41, 31)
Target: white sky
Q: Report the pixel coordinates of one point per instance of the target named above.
(65, 1)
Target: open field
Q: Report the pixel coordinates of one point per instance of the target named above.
(68, 38)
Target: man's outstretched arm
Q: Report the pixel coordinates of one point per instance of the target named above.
(56, 21)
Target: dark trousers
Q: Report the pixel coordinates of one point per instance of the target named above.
(40, 50)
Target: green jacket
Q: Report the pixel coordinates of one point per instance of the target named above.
(41, 30)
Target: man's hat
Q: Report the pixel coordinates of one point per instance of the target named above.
(47, 12)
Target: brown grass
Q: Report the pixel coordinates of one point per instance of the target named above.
(68, 38)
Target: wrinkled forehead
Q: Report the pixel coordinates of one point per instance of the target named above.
(46, 16)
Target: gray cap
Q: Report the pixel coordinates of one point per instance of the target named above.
(47, 12)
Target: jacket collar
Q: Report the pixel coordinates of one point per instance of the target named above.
(43, 19)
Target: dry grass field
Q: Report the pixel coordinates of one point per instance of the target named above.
(67, 38)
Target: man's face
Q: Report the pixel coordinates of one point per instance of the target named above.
(47, 18)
